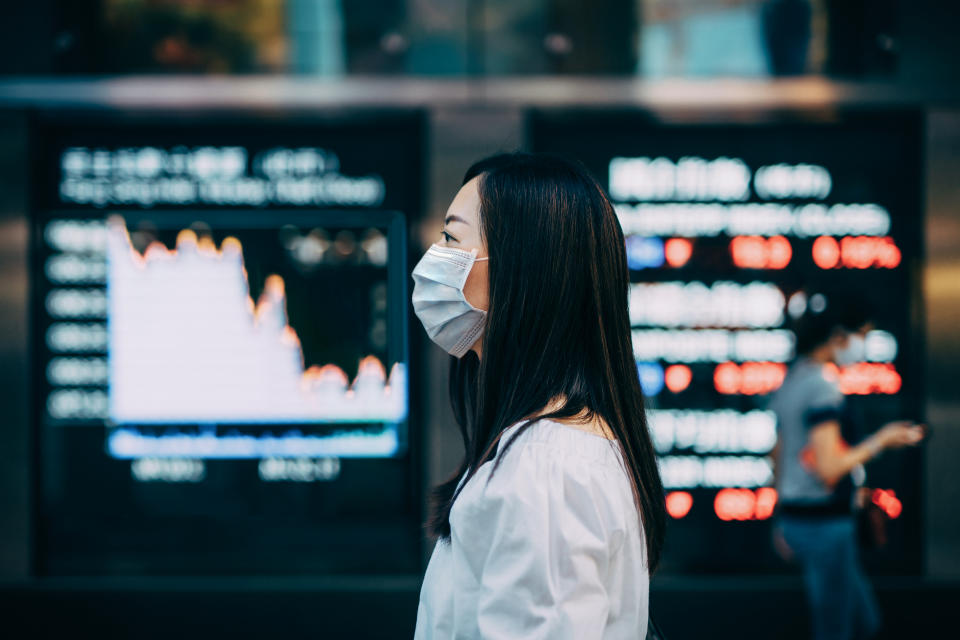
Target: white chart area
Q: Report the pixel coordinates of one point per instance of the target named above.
(187, 344)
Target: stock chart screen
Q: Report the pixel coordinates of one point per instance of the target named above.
(732, 231)
(220, 346)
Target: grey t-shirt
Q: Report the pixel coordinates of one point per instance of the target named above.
(806, 399)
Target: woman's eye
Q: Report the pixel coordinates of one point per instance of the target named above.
(447, 236)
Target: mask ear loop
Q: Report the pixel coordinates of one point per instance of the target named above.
(475, 258)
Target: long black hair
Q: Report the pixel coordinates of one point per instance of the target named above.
(557, 324)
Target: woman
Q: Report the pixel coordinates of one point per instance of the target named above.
(814, 465)
(554, 522)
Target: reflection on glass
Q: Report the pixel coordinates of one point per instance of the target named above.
(333, 38)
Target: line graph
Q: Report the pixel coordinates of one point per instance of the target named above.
(188, 345)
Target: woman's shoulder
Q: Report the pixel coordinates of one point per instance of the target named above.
(570, 445)
(551, 467)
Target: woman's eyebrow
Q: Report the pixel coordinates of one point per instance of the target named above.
(455, 218)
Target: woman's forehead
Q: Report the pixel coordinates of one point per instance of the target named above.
(465, 207)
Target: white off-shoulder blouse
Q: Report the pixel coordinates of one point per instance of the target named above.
(551, 548)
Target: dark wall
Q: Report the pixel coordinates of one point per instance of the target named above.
(929, 46)
(15, 459)
(27, 38)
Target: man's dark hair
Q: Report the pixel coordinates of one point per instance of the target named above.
(841, 311)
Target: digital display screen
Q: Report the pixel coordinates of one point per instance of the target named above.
(221, 347)
(731, 230)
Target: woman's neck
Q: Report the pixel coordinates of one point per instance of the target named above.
(583, 420)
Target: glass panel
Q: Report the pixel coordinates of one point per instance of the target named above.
(649, 38)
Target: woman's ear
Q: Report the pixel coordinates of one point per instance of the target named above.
(477, 287)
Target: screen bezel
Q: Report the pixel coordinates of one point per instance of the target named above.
(410, 124)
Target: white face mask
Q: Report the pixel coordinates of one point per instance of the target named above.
(438, 300)
(854, 352)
